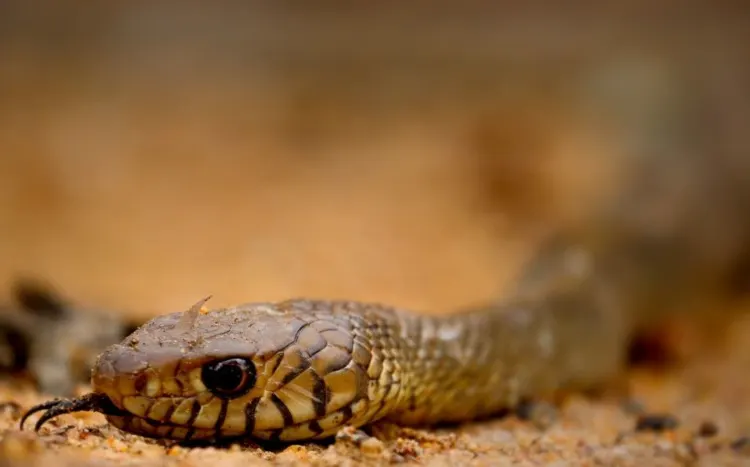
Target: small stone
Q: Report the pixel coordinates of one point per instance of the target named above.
(741, 445)
(372, 447)
(656, 422)
(118, 446)
(707, 429)
(408, 448)
(11, 407)
(19, 445)
(542, 414)
(633, 406)
(293, 453)
(397, 459)
(352, 435)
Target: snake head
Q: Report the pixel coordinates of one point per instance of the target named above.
(287, 371)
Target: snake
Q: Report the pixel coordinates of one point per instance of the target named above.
(303, 369)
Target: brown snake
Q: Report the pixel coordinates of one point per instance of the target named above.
(303, 369)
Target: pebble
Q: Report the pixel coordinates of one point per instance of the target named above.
(708, 429)
(741, 445)
(11, 407)
(408, 448)
(656, 422)
(293, 453)
(372, 447)
(633, 406)
(19, 445)
(352, 435)
(542, 414)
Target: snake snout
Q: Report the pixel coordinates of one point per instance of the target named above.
(120, 371)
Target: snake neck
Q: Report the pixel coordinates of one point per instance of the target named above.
(487, 359)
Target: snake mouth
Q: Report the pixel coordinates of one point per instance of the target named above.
(92, 402)
(183, 434)
(101, 403)
(149, 428)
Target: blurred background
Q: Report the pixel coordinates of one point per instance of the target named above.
(153, 153)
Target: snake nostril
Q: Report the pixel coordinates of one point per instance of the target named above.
(121, 359)
(120, 371)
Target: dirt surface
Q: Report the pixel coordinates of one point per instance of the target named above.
(139, 178)
(706, 398)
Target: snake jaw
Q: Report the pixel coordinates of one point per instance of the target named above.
(93, 402)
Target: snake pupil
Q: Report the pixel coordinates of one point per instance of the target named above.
(229, 378)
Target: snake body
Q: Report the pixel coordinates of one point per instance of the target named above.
(303, 369)
(321, 365)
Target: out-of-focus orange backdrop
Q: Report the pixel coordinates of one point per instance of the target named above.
(155, 153)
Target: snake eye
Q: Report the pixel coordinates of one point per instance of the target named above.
(229, 378)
